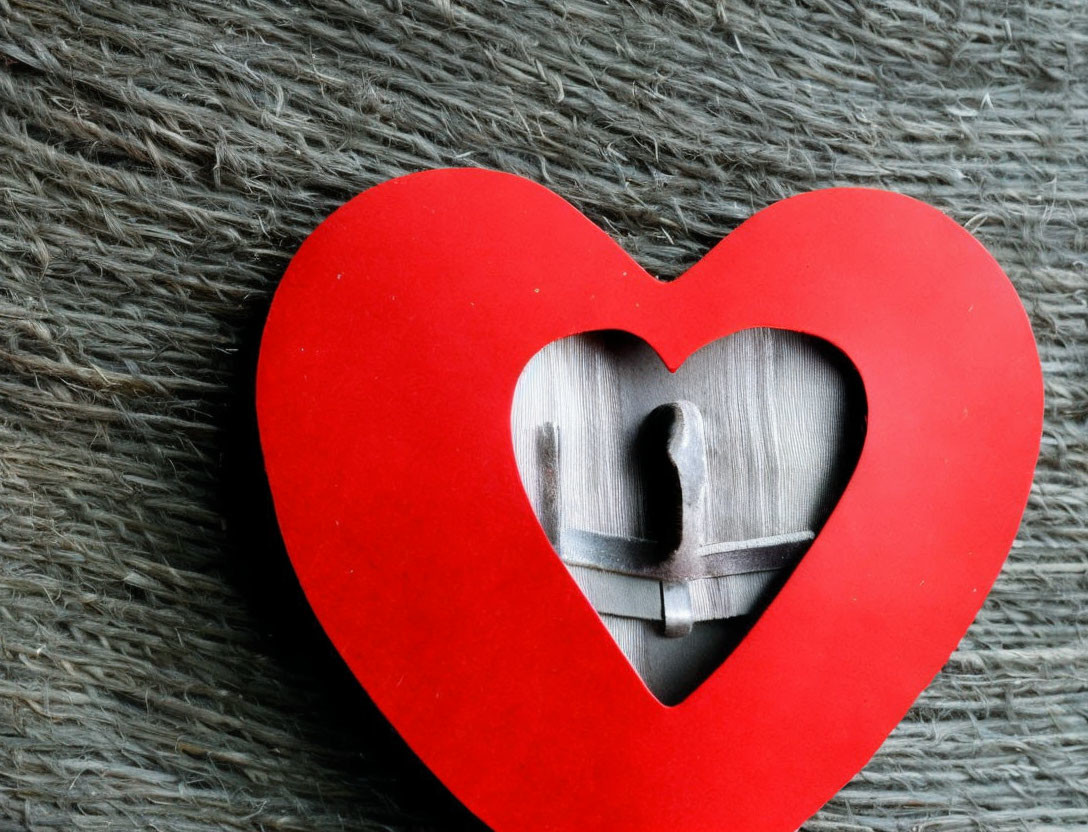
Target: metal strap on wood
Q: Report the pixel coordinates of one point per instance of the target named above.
(679, 584)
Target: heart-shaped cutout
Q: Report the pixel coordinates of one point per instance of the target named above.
(781, 422)
(384, 390)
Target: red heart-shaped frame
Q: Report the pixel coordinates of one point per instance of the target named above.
(386, 377)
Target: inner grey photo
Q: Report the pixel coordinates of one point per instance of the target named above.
(680, 502)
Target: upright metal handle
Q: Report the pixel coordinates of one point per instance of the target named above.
(686, 449)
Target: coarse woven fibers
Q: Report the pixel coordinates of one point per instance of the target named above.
(161, 161)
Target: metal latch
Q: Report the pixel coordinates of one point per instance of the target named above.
(676, 565)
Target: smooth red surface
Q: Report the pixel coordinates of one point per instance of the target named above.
(386, 378)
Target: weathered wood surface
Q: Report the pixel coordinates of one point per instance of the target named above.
(783, 416)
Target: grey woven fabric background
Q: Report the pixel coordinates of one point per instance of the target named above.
(160, 162)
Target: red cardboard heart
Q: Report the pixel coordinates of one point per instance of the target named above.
(386, 376)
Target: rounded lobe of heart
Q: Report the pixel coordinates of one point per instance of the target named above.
(386, 375)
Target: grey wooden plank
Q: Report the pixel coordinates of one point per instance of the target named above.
(783, 417)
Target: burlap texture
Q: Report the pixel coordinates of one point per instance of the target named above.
(160, 163)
